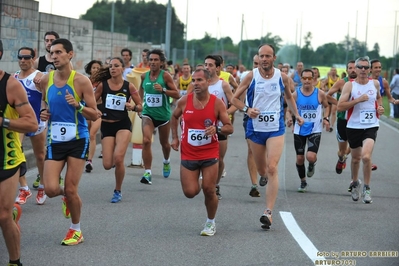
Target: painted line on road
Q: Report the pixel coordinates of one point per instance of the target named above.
(300, 237)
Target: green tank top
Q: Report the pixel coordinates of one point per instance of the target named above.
(341, 115)
(156, 104)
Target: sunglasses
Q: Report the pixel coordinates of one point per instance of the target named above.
(26, 57)
(362, 67)
(307, 78)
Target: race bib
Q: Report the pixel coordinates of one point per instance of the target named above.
(153, 100)
(368, 116)
(197, 137)
(309, 115)
(115, 102)
(267, 121)
(61, 131)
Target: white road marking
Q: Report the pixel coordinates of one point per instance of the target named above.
(300, 237)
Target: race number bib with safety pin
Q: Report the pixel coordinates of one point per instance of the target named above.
(309, 115)
(368, 116)
(197, 137)
(115, 102)
(153, 100)
(61, 131)
(267, 121)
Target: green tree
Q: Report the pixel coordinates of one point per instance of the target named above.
(143, 21)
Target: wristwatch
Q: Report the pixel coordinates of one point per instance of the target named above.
(245, 109)
(164, 89)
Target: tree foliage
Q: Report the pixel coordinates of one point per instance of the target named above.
(145, 22)
(142, 21)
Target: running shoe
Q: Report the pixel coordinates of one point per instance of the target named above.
(166, 170)
(23, 196)
(373, 167)
(355, 191)
(61, 181)
(351, 185)
(117, 196)
(266, 220)
(366, 195)
(146, 179)
(72, 237)
(101, 155)
(41, 196)
(37, 182)
(303, 188)
(224, 173)
(263, 181)
(254, 192)
(341, 165)
(218, 193)
(65, 208)
(89, 166)
(209, 229)
(311, 170)
(16, 214)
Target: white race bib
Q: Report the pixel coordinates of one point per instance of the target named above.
(309, 115)
(197, 137)
(115, 102)
(62, 131)
(368, 116)
(267, 121)
(153, 100)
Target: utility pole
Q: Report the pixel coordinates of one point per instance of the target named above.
(168, 28)
(185, 34)
(112, 25)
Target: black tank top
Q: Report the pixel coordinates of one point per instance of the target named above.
(113, 102)
(44, 65)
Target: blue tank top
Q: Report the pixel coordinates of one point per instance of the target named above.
(310, 109)
(382, 90)
(65, 123)
(297, 80)
(34, 95)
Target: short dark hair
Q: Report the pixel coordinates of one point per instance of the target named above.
(65, 43)
(90, 64)
(349, 62)
(32, 52)
(159, 52)
(397, 70)
(216, 58)
(126, 50)
(207, 75)
(145, 50)
(373, 61)
(1, 49)
(307, 70)
(52, 33)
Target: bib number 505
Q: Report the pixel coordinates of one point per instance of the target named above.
(266, 118)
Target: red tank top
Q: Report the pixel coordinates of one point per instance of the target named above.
(195, 145)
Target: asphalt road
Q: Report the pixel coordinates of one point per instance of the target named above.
(157, 225)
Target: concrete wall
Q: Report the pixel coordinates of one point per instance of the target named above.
(23, 25)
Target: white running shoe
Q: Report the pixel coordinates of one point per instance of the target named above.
(41, 196)
(209, 229)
